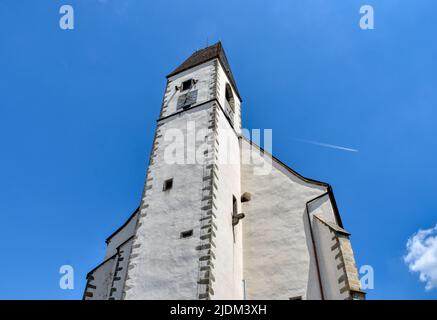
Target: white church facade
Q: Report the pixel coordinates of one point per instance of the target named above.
(223, 219)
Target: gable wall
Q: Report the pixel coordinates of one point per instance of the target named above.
(279, 261)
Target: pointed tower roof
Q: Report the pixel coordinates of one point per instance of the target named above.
(203, 55)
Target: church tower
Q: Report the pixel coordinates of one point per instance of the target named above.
(209, 226)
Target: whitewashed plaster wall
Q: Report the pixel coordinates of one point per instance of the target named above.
(228, 263)
(107, 280)
(121, 236)
(279, 261)
(99, 281)
(204, 74)
(322, 206)
(164, 266)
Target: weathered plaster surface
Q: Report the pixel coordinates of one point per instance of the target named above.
(163, 265)
(121, 236)
(203, 74)
(99, 281)
(279, 262)
(106, 282)
(228, 263)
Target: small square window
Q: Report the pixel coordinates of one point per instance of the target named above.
(186, 85)
(187, 234)
(168, 184)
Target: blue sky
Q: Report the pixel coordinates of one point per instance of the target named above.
(78, 110)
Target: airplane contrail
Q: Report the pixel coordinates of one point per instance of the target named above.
(327, 145)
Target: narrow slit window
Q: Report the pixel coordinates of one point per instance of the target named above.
(234, 216)
(230, 101)
(186, 234)
(234, 206)
(168, 184)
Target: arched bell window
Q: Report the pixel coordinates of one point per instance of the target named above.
(230, 97)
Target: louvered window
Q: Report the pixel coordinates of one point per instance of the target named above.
(187, 99)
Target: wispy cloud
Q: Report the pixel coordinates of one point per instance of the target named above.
(422, 256)
(327, 145)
